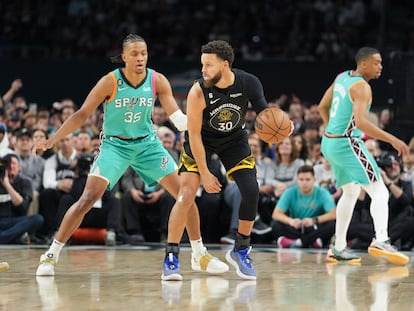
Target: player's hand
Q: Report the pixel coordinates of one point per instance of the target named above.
(292, 128)
(41, 145)
(210, 183)
(401, 147)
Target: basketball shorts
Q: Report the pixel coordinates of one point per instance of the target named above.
(350, 160)
(235, 155)
(150, 160)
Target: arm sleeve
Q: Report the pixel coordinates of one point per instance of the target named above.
(255, 93)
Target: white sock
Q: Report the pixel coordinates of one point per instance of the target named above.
(55, 249)
(379, 209)
(344, 211)
(198, 248)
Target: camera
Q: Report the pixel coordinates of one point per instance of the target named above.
(386, 159)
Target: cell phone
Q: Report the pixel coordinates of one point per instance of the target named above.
(145, 196)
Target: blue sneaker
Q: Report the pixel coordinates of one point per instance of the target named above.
(242, 262)
(171, 269)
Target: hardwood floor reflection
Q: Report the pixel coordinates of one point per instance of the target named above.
(126, 278)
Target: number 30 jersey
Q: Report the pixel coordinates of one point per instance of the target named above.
(225, 110)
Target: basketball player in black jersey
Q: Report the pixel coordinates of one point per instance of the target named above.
(216, 108)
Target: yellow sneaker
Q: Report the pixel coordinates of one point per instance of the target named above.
(387, 251)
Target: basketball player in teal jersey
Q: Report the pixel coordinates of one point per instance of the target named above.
(128, 139)
(344, 109)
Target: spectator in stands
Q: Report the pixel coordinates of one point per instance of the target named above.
(408, 171)
(31, 166)
(305, 214)
(57, 180)
(325, 178)
(4, 140)
(361, 229)
(82, 142)
(39, 135)
(138, 203)
(287, 165)
(106, 212)
(302, 148)
(16, 195)
(6, 99)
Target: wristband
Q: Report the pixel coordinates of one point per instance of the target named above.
(179, 119)
(315, 220)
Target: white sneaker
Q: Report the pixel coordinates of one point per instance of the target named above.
(46, 265)
(208, 263)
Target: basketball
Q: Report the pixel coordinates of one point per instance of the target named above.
(272, 125)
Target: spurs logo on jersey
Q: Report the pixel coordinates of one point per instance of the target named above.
(225, 117)
(131, 102)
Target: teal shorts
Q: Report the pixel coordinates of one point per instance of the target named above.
(350, 160)
(150, 160)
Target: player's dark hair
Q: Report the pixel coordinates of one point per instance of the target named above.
(364, 53)
(127, 40)
(306, 169)
(221, 48)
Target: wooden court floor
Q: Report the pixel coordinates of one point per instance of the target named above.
(128, 278)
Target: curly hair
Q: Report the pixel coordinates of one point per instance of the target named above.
(221, 48)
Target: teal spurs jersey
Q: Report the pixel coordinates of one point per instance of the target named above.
(341, 118)
(128, 111)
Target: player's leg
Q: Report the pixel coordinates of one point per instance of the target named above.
(380, 246)
(94, 189)
(96, 184)
(239, 255)
(344, 211)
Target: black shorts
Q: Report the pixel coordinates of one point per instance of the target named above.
(234, 152)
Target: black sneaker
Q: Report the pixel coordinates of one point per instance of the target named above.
(260, 228)
(229, 238)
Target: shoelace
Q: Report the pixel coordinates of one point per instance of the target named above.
(246, 258)
(171, 263)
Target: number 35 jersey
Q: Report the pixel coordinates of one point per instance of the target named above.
(128, 111)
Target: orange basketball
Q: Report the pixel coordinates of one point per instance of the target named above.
(272, 125)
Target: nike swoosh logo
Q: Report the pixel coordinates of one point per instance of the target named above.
(214, 101)
(122, 88)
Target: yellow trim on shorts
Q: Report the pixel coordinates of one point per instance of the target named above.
(247, 163)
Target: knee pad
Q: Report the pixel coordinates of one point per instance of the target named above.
(247, 183)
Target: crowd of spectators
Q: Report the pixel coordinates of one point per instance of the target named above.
(175, 29)
(36, 190)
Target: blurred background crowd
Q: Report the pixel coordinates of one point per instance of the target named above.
(175, 29)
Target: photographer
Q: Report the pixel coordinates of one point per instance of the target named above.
(15, 197)
(361, 230)
(105, 212)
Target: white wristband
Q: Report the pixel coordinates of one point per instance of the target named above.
(179, 119)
